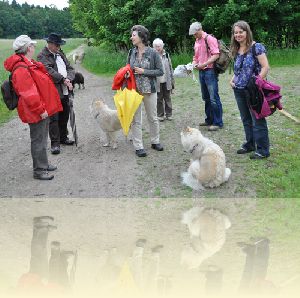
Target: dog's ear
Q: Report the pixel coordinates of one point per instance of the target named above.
(187, 129)
(98, 103)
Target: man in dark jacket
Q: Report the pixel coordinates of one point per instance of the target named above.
(62, 74)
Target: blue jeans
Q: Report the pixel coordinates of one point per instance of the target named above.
(210, 94)
(256, 130)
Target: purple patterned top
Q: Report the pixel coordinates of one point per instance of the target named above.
(245, 66)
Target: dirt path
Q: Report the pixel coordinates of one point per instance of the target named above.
(89, 170)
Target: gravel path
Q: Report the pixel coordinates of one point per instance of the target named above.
(88, 170)
(91, 170)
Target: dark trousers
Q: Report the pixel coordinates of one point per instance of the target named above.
(58, 123)
(39, 137)
(210, 95)
(164, 104)
(256, 265)
(256, 130)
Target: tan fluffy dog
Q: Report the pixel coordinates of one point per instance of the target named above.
(208, 166)
(108, 121)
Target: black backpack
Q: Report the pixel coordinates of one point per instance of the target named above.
(9, 95)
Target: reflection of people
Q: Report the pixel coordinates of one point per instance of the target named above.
(43, 276)
(146, 64)
(165, 83)
(59, 264)
(38, 99)
(245, 66)
(206, 52)
(256, 265)
(214, 280)
(39, 256)
(62, 74)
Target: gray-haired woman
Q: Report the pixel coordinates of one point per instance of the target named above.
(146, 65)
(165, 83)
(38, 100)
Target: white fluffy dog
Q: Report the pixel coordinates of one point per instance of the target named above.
(108, 121)
(208, 166)
(207, 227)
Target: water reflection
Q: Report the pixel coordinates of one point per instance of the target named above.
(138, 248)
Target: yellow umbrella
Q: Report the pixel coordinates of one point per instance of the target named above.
(127, 102)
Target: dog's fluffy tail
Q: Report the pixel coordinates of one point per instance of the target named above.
(189, 180)
(227, 174)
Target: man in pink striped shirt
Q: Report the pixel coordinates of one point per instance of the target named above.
(206, 53)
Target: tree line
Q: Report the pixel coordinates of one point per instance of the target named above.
(274, 22)
(35, 21)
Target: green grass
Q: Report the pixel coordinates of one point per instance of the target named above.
(284, 57)
(275, 177)
(100, 60)
(6, 51)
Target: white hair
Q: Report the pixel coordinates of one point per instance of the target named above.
(23, 49)
(158, 42)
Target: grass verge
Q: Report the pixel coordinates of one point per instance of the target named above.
(100, 60)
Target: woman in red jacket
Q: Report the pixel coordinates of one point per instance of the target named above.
(38, 99)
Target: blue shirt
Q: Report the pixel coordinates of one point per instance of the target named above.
(245, 66)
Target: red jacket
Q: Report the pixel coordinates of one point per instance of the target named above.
(119, 78)
(34, 87)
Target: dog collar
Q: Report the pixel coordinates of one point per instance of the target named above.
(193, 149)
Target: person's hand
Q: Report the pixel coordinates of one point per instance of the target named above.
(201, 66)
(138, 70)
(127, 75)
(44, 115)
(232, 84)
(68, 83)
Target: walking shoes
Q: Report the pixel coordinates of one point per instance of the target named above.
(55, 150)
(141, 153)
(243, 150)
(157, 147)
(257, 156)
(67, 142)
(43, 176)
(51, 168)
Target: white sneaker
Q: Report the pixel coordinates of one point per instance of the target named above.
(161, 118)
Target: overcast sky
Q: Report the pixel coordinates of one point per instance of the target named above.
(58, 3)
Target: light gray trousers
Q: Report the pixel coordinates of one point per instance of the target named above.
(150, 103)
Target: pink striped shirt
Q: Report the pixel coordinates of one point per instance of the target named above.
(201, 52)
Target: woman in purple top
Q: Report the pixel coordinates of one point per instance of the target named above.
(247, 65)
